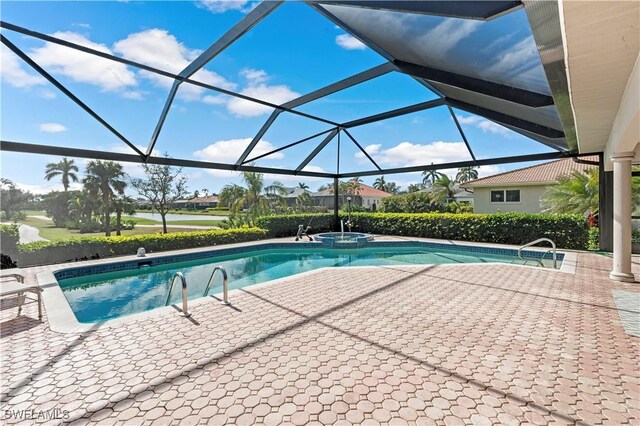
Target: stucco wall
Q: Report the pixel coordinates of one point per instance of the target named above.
(530, 197)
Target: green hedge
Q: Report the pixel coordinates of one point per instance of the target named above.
(287, 225)
(44, 252)
(9, 238)
(568, 231)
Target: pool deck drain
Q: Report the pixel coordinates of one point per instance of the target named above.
(445, 344)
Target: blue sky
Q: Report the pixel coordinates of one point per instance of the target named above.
(292, 52)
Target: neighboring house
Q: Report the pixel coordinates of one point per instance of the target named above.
(521, 190)
(293, 194)
(196, 202)
(368, 197)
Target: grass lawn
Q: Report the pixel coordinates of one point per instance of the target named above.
(50, 232)
(196, 212)
(186, 223)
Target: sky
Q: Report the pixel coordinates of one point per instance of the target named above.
(293, 51)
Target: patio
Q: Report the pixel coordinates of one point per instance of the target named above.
(446, 344)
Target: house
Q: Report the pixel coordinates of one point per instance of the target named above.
(367, 197)
(196, 202)
(521, 190)
(292, 195)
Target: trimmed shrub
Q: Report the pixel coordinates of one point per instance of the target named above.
(9, 239)
(568, 231)
(287, 225)
(594, 239)
(45, 252)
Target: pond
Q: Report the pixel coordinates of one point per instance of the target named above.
(174, 217)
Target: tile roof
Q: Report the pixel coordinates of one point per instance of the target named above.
(365, 191)
(546, 172)
(208, 199)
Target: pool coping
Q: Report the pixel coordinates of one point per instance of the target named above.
(62, 319)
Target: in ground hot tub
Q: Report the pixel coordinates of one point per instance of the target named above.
(344, 238)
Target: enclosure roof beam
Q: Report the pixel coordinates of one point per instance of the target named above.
(488, 88)
(362, 149)
(130, 158)
(282, 148)
(394, 113)
(319, 148)
(154, 70)
(67, 92)
(462, 135)
(456, 165)
(237, 31)
(479, 10)
(499, 117)
(317, 94)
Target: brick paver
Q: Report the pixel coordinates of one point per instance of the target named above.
(447, 344)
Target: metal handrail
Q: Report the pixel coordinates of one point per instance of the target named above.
(540, 240)
(225, 289)
(183, 280)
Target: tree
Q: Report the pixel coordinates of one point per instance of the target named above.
(65, 168)
(444, 190)
(391, 188)
(303, 185)
(415, 187)
(304, 201)
(429, 177)
(122, 204)
(162, 186)
(14, 199)
(205, 191)
(380, 183)
(105, 179)
(196, 194)
(229, 194)
(466, 174)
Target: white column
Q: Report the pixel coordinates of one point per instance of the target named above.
(622, 217)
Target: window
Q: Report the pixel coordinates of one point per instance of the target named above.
(513, 196)
(509, 196)
(497, 196)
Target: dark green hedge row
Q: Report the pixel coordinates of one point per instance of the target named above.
(568, 231)
(45, 252)
(287, 225)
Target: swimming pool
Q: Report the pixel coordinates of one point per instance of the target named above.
(102, 292)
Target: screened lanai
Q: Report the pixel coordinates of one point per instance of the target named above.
(413, 86)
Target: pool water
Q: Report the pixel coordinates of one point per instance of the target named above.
(103, 296)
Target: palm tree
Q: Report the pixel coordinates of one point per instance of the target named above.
(106, 179)
(380, 183)
(575, 193)
(465, 174)
(255, 197)
(391, 188)
(122, 204)
(65, 168)
(303, 185)
(429, 177)
(444, 190)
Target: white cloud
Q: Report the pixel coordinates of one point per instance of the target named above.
(46, 188)
(82, 67)
(228, 151)
(254, 76)
(484, 171)
(221, 6)
(410, 154)
(52, 128)
(446, 35)
(348, 42)
(48, 94)
(275, 94)
(133, 94)
(484, 124)
(12, 72)
(215, 99)
(160, 49)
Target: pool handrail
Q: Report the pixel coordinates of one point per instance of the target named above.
(185, 294)
(225, 287)
(540, 240)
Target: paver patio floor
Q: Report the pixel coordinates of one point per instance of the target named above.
(446, 344)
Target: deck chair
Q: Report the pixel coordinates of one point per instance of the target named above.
(18, 287)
